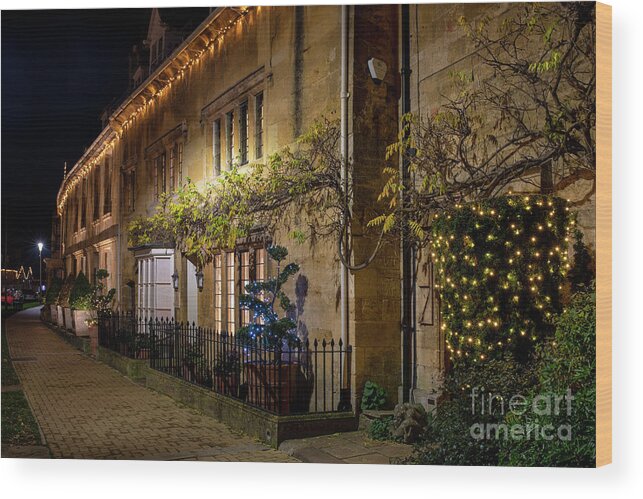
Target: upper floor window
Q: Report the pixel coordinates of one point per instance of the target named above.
(243, 132)
(216, 146)
(107, 186)
(160, 175)
(129, 184)
(259, 125)
(230, 137)
(96, 192)
(83, 205)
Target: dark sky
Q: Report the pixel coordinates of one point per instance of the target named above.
(60, 69)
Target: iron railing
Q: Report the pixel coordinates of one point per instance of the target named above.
(309, 377)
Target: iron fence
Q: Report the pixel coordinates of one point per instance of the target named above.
(307, 377)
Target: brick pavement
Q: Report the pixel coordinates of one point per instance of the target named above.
(87, 410)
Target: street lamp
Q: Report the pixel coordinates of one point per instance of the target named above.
(40, 245)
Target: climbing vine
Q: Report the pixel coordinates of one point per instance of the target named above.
(200, 221)
(524, 109)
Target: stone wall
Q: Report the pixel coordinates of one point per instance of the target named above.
(439, 48)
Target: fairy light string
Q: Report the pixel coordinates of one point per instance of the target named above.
(501, 265)
(175, 70)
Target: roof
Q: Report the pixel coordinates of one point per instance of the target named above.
(184, 18)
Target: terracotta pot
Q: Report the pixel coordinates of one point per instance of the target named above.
(277, 388)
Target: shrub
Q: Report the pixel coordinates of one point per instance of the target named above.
(500, 266)
(380, 429)
(260, 301)
(450, 437)
(53, 291)
(582, 272)
(569, 363)
(65, 290)
(80, 296)
(374, 396)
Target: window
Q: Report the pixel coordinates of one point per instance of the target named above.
(230, 137)
(179, 162)
(244, 257)
(176, 166)
(259, 125)
(83, 207)
(160, 175)
(107, 186)
(129, 183)
(75, 214)
(232, 272)
(96, 193)
(230, 285)
(216, 147)
(260, 270)
(243, 132)
(171, 168)
(218, 293)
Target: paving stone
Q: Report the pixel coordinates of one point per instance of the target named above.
(369, 459)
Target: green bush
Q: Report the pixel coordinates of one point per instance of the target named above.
(374, 397)
(381, 429)
(53, 291)
(500, 267)
(569, 363)
(65, 290)
(80, 296)
(582, 272)
(260, 299)
(450, 437)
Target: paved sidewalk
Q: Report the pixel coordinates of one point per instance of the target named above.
(87, 410)
(344, 448)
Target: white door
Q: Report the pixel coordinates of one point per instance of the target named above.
(155, 291)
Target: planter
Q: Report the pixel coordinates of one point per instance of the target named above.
(279, 388)
(80, 318)
(53, 311)
(60, 316)
(68, 319)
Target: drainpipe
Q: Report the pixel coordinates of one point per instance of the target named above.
(408, 252)
(345, 179)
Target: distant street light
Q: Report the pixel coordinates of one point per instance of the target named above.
(40, 245)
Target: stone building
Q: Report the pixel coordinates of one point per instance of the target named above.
(241, 85)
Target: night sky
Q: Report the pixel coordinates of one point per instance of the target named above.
(60, 70)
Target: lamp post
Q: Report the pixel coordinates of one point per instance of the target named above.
(40, 245)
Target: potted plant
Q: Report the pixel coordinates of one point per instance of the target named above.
(63, 308)
(80, 300)
(51, 297)
(277, 381)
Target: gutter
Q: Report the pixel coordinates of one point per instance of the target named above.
(344, 95)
